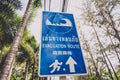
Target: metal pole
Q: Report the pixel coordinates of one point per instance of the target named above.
(65, 5)
(49, 4)
(62, 78)
(44, 5)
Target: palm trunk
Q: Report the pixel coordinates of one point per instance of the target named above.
(105, 54)
(26, 70)
(34, 63)
(7, 66)
(33, 70)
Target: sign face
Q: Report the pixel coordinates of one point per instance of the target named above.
(60, 47)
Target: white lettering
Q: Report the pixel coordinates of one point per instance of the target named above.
(60, 39)
(62, 52)
(54, 46)
(73, 46)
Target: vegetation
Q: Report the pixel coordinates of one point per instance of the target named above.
(9, 22)
(8, 61)
(26, 59)
(101, 17)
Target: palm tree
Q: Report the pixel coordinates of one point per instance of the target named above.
(27, 52)
(6, 37)
(26, 57)
(8, 20)
(3, 53)
(7, 66)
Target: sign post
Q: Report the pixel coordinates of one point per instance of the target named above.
(60, 52)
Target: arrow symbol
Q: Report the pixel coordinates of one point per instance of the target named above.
(71, 62)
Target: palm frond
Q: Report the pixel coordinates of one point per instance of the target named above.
(37, 3)
(16, 4)
(6, 10)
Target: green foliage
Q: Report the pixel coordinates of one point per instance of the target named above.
(103, 17)
(17, 74)
(25, 50)
(9, 20)
(92, 78)
(37, 3)
(118, 71)
(8, 29)
(15, 4)
(27, 54)
(3, 53)
(105, 75)
(7, 9)
(32, 15)
(9, 23)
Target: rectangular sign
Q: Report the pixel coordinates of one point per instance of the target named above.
(60, 52)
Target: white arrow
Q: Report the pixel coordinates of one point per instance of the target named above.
(71, 62)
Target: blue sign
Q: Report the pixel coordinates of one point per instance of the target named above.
(60, 47)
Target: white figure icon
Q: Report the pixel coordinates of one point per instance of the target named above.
(55, 65)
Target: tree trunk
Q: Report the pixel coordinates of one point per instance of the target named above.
(33, 69)
(7, 66)
(117, 53)
(26, 70)
(90, 71)
(105, 55)
(90, 53)
(42, 78)
(117, 36)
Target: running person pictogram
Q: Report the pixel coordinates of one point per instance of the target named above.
(55, 65)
